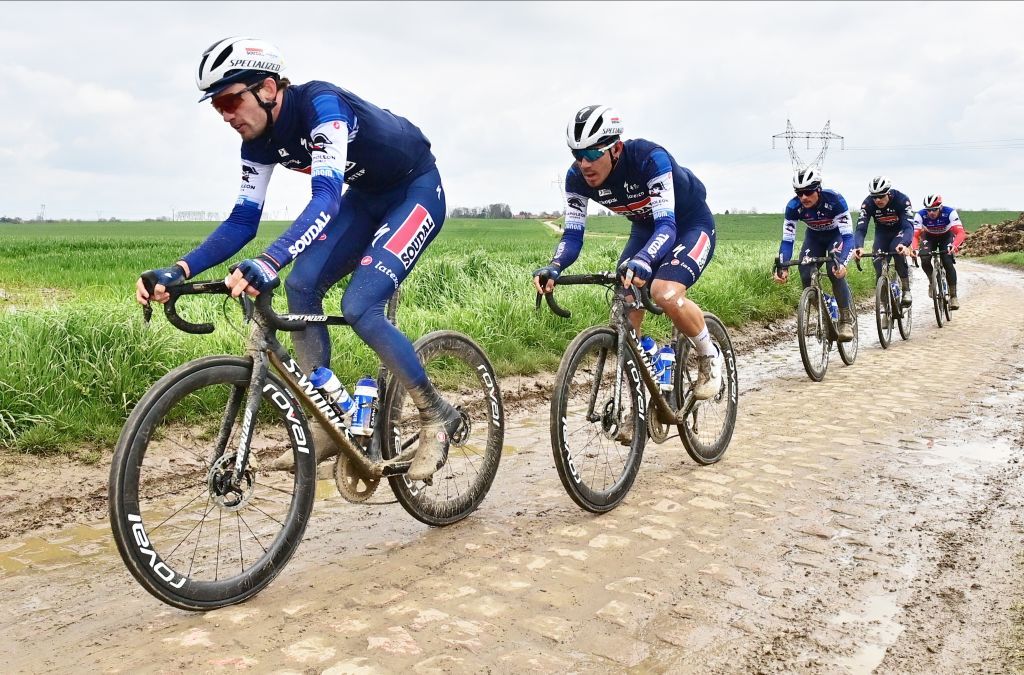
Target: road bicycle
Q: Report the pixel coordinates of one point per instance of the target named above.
(889, 309)
(198, 518)
(816, 319)
(600, 413)
(939, 287)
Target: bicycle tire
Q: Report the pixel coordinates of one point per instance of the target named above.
(810, 323)
(459, 368)
(579, 444)
(905, 320)
(937, 296)
(159, 446)
(883, 311)
(945, 297)
(848, 350)
(708, 448)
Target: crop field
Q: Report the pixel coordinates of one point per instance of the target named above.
(76, 355)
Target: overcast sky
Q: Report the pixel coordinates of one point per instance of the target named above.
(100, 118)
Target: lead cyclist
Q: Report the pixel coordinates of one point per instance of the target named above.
(376, 230)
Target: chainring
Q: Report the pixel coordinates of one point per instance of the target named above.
(351, 484)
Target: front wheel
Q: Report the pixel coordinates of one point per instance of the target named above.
(883, 311)
(937, 297)
(597, 438)
(812, 333)
(463, 375)
(708, 425)
(188, 533)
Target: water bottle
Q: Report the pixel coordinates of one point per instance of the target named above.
(897, 291)
(362, 419)
(666, 364)
(332, 388)
(833, 307)
(650, 348)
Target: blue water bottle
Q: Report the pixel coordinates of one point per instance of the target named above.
(666, 365)
(362, 419)
(833, 307)
(331, 388)
(897, 292)
(650, 348)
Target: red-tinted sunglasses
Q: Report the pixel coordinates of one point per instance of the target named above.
(228, 103)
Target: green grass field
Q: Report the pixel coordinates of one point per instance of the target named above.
(76, 355)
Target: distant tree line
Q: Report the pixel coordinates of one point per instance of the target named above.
(490, 211)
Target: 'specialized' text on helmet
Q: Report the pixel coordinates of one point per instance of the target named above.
(236, 59)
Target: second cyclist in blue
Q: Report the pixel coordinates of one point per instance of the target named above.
(672, 237)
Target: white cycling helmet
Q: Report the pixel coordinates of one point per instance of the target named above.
(879, 186)
(593, 125)
(236, 59)
(933, 201)
(806, 178)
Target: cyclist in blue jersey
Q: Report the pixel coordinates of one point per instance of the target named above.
(894, 228)
(672, 237)
(938, 228)
(376, 230)
(828, 228)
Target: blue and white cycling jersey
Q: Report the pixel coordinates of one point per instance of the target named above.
(947, 219)
(335, 136)
(646, 186)
(897, 215)
(830, 213)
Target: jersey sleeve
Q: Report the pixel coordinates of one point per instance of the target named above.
(657, 171)
(861, 233)
(241, 225)
(907, 221)
(789, 223)
(959, 233)
(571, 243)
(918, 227)
(844, 221)
(329, 120)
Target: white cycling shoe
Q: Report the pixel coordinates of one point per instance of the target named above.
(709, 376)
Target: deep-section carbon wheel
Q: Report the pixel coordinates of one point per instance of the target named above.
(708, 425)
(463, 375)
(597, 452)
(190, 534)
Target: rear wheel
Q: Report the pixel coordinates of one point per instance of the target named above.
(192, 536)
(597, 453)
(848, 350)
(707, 425)
(812, 334)
(883, 311)
(905, 319)
(462, 374)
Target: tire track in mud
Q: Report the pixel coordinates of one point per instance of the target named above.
(865, 522)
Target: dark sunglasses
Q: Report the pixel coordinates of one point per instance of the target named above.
(591, 154)
(935, 210)
(805, 193)
(228, 103)
(879, 197)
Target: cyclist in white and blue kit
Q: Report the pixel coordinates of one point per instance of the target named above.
(672, 238)
(375, 230)
(828, 228)
(894, 228)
